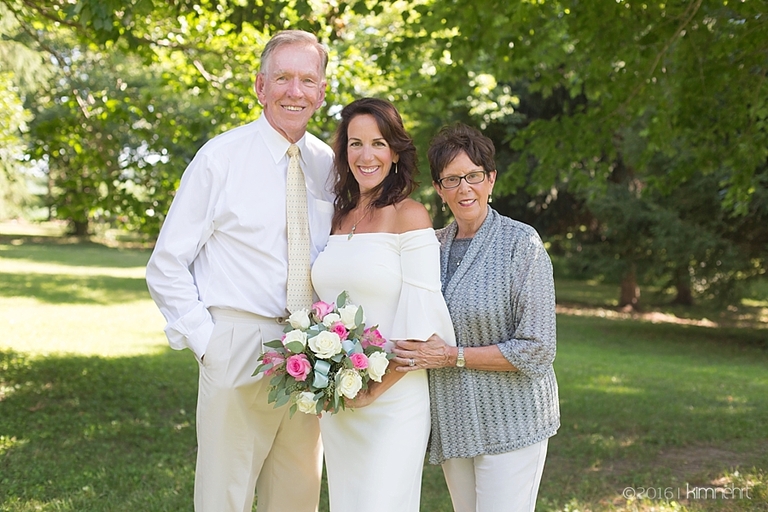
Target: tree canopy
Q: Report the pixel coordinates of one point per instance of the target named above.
(620, 111)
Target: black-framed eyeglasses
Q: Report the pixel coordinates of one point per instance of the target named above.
(473, 178)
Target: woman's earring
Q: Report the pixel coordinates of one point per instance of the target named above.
(490, 198)
(443, 207)
(395, 167)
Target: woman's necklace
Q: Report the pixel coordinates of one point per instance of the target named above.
(354, 226)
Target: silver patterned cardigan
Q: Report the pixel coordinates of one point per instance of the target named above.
(503, 294)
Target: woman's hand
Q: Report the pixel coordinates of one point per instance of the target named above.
(363, 398)
(376, 389)
(433, 353)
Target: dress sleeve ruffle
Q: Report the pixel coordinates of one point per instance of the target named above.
(421, 310)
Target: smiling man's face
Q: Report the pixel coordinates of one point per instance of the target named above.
(291, 88)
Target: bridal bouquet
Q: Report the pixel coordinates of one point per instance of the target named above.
(325, 357)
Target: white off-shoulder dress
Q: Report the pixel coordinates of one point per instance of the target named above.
(374, 455)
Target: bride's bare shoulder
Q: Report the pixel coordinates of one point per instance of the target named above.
(411, 215)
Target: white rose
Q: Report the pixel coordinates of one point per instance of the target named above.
(325, 345)
(377, 365)
(306, 403)
(299, 319)
(296, 335)
(330, 319)
(348, 383)
(348, 314)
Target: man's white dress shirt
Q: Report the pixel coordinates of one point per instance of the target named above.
(224, 242)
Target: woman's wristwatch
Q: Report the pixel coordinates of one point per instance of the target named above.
(460, 361)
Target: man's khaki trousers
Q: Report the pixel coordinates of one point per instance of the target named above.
(244, 442)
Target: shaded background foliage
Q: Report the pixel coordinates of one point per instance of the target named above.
(632, 135)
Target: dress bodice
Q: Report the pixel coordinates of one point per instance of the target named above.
(394, 277)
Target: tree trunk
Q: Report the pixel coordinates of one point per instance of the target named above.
(630, 292)
(683, 287)
(79, 228)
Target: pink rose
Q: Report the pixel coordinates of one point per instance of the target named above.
(298, 367)
(320, 309)
(359, 360)
(339, 329)
(272, 358)
(372, 336)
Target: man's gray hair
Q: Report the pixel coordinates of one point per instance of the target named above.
(287, 37)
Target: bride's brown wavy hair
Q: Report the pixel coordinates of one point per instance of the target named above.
(396, 186)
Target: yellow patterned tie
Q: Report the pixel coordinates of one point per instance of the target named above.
(299, 280)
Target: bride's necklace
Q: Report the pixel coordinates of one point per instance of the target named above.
(354, 226)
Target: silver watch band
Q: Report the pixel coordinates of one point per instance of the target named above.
(460, 361)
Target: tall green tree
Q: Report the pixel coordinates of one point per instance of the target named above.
(579, 91)
(139, 86)
(104, 132)
(13, 117)
(21, 72)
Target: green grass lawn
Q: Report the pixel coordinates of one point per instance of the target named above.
(97, 414)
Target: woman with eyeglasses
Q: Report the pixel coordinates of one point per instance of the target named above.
(494, 399)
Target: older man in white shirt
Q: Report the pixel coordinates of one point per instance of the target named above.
(219, 275)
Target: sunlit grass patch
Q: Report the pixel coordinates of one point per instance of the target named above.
(111, 330)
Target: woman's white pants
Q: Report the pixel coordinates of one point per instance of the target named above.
(507, 482)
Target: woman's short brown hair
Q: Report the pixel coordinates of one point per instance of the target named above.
(451, 140)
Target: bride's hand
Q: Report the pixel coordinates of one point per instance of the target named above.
(363, 398)
(419, 355)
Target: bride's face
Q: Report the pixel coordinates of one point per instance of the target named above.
(368, 153)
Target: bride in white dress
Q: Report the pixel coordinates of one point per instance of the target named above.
(384, 253)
